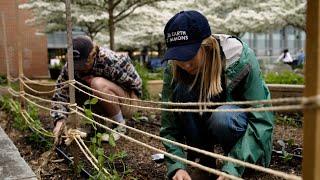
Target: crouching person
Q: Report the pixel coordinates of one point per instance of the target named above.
(104, 71)
(205, 67)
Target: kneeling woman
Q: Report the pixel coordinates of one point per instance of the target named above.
(213, 68)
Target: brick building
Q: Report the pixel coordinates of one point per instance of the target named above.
(33, 43)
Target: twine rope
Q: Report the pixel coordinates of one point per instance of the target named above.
(269, 101)
(287, 176)
(167, 154)
(211, 154)
(43, 92)
(258, 109)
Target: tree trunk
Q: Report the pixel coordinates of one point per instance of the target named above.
(111, 34)
(111, 24)
(160, 49)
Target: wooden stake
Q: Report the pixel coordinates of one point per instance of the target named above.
(6, 49)
(19, 49)
(73, 122)
(311, 129)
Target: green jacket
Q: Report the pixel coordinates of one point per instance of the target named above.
(243, 83)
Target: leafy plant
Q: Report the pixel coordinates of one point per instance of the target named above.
(14, 109)
(56, 65)
(286, 157)
(98, 151)
(143, 72)
(3, 80)
(286, 77)
(88, 111)
(289, 119)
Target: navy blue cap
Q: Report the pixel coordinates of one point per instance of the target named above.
(184, 33)
(82, 46)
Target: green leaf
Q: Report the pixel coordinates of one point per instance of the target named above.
(290, 142)
(87, 102)
(123, 154)
(100, 151)
(111, 140)
(94, 140)
(88, 113)
(99, 135)
(94, 101)
(101, 160)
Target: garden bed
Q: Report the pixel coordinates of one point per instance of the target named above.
(138, 161)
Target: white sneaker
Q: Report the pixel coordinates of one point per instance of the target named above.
(116, 136)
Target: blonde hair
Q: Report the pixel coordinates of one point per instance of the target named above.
(209, 71)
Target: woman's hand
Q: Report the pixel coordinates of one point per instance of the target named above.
(57, 129)
(181, 175)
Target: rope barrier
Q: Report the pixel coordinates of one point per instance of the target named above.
(269, 101)
(9, 78)
(258, 109)
(167, 154)
(74, 134)
(303, 100)
(290, 176)
(25, 116)
(47, 84)
(13, 92)
(85, 154)
(211, 154)
(273, 108)
(49, 109)
(89, 152)
(46, 100)
(184, 146)
(43, 92)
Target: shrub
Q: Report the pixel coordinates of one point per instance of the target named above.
(286, 77)
(3, 80)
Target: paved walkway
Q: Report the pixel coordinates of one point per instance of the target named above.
(12, 165)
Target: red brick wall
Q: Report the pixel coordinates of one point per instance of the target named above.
(34, 47)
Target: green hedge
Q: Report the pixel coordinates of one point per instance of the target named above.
(286, 77)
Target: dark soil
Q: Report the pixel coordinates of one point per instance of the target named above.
(139, 158)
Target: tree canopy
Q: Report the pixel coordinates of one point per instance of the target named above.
(135, 23)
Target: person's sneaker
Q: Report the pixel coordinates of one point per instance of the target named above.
(116, 136)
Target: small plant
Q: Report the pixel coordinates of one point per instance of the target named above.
(286, 157)
(88, 111)
(13, 108)
(98, 151)
(289, 120)
(3, 80)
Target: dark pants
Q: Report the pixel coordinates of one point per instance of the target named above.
(206, 130)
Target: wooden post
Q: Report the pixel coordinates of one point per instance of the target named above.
(311, 129)
(6, 49)
(19, 49)
(73, 122)
(70, 51)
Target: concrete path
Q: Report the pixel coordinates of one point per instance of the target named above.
(12, 165)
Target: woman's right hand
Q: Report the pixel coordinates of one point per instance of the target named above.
(57, 128)
(181, 175)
